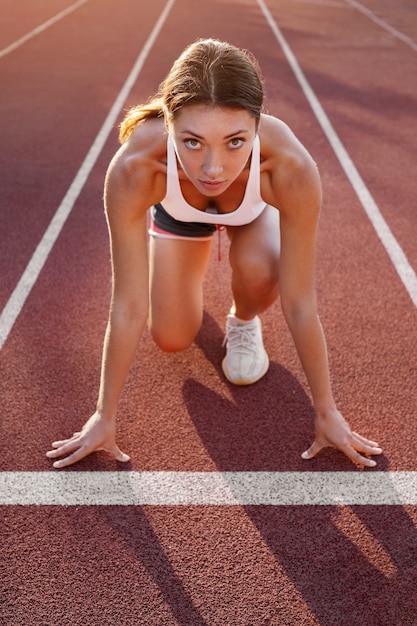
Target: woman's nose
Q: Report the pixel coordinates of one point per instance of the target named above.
(212, 166)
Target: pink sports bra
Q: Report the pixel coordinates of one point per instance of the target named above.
(252, 204)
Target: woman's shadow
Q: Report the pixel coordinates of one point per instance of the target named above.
(265, 427)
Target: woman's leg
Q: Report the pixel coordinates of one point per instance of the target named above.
(254, 258)
(177, 269)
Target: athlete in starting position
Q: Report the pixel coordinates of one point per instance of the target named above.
(201, 153)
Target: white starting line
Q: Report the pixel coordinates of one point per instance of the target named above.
(127, 488)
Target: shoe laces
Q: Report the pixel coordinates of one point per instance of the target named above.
(241, 338)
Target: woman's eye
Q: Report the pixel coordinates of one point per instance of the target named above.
(236, 142)
(192, 143)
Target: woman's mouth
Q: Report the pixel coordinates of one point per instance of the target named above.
(212, 185)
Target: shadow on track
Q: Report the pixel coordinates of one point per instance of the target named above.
(352, 565)
(137, 533)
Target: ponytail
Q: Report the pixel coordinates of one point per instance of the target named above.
(139, 114)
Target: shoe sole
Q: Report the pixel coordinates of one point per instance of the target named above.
(240, 382)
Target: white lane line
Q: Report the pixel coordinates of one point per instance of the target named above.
(207, 488)
(391, 245)
(39, 29)
(29, 277)
(340, 4)
(377, 20)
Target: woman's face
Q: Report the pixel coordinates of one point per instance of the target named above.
(213, 144)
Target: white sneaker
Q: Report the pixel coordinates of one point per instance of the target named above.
(246, 360)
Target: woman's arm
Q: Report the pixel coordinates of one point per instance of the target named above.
(127, 196)
(298, 196)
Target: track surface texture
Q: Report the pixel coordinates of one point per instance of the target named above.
(189, 551)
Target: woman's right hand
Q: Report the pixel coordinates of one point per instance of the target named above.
(96, 434)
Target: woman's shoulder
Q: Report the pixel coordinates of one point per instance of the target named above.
(136, 176)
(279, 143)
(146, 145)
(140, 163)
(285, 161)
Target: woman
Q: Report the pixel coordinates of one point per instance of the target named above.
(202, 154)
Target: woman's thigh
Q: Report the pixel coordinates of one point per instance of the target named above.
(177, 270)
(255, 247)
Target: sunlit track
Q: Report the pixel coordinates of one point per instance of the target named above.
(383, 24)
(216, 520)
(41, 28)
(369, 14)
(208, 488)
(403, 267)
(17, 300)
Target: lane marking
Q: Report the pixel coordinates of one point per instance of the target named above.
(391, 245)
(363, 9)
(29, 277)
(207, 488)
(377, 20)
(39, 29)
(340, 4)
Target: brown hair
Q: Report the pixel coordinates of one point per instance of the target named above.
(207, 72)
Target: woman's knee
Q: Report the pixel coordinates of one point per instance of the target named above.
(254, 253)
(173, 337)
(257, 271)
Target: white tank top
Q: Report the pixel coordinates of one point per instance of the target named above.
(252, 204)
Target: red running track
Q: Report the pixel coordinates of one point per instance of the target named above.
(208, 565)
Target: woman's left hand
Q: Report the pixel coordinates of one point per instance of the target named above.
(333, 431)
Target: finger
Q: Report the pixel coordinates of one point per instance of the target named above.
(358, 459)
(79, 454)
(313, 450)
(82, 452)
(58, 444)
(116, 453)
(69, 446)
(367, 442)
(360, 447)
